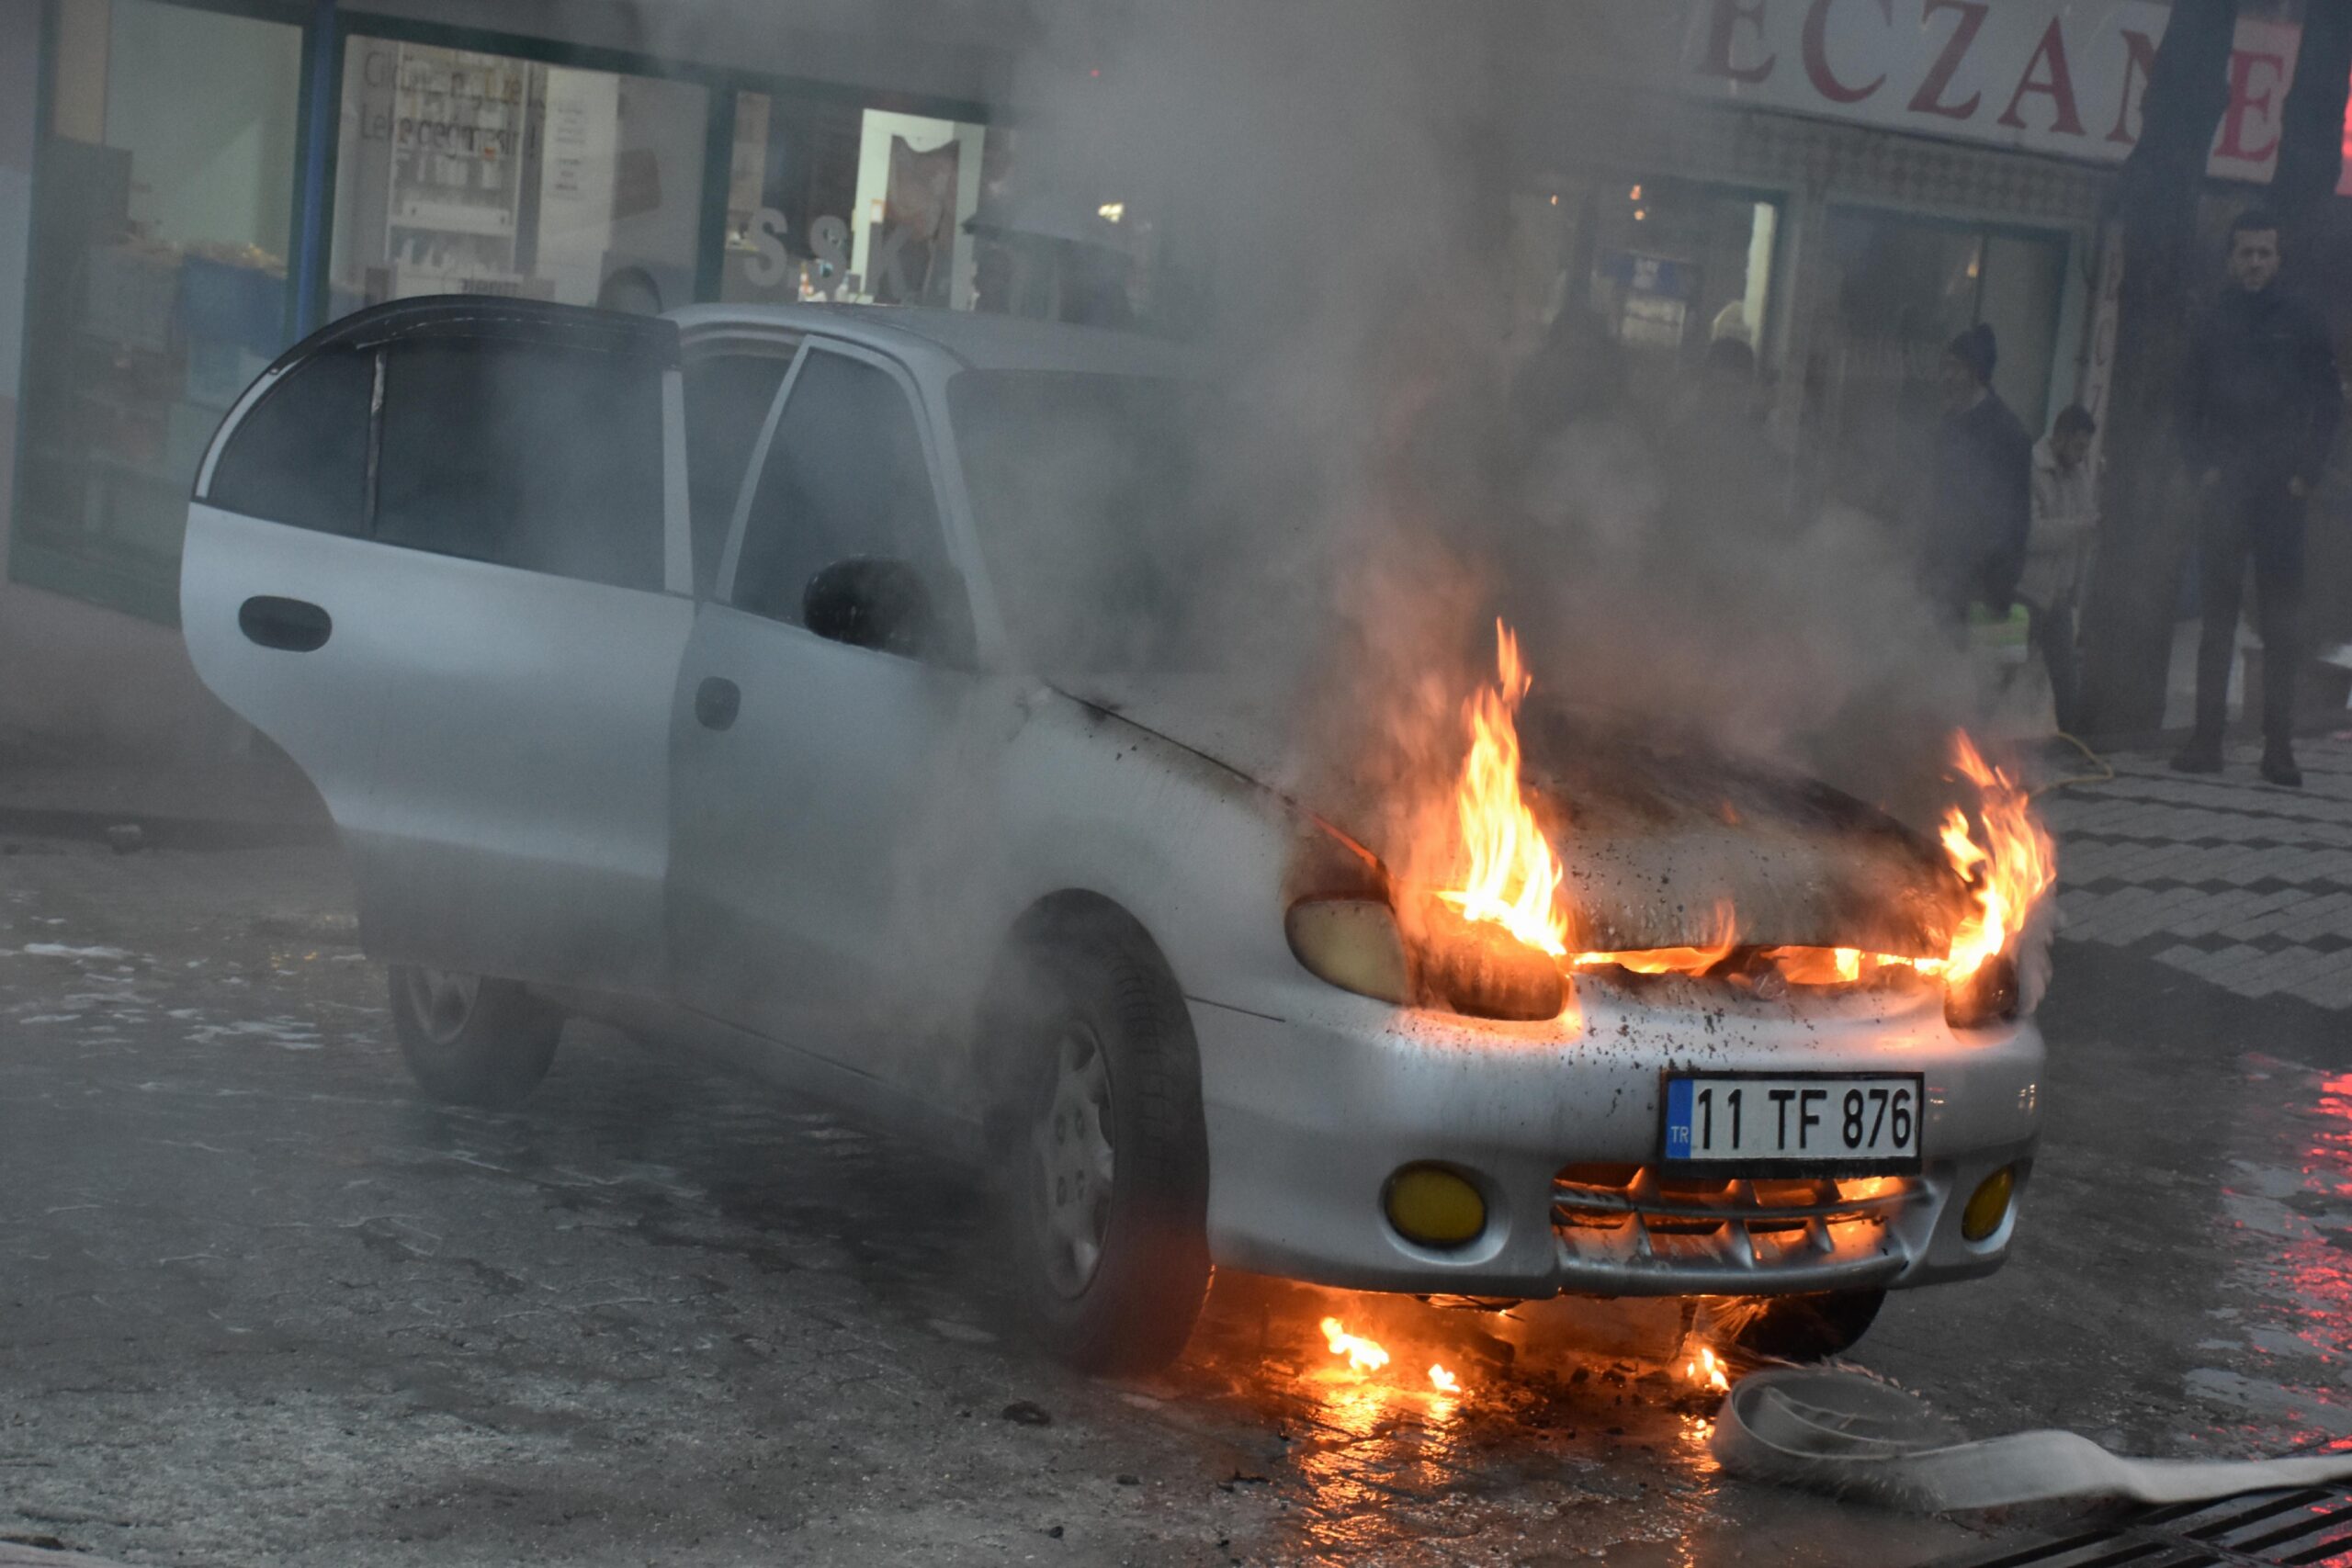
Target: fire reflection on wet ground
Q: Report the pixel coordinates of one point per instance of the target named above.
(1365, 1453)
(2293, 1303)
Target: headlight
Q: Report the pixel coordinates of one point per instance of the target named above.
(1984, 999)
(1480, 970)
(1352, 943)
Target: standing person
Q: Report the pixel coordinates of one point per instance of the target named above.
(2066, 520)
(1723, 476)
(1980, 510)
(2261, 400)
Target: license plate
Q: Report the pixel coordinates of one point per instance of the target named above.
(1861, 1124)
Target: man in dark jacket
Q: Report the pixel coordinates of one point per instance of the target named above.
(2261, 400)
(1981, 507)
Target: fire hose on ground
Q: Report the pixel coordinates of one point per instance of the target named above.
(1851, 1434)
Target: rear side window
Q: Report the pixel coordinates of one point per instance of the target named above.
(727, 399)
(300, 457)
(524, 454)
(844, 480)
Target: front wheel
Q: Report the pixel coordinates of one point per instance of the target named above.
(1106, 1153)
(470, 1040)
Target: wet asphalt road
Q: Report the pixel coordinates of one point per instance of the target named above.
(259, 1305)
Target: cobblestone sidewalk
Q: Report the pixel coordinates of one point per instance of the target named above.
(2238, 883)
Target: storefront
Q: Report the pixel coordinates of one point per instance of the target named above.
(1845, 185)
(194, 185)
(191, 185)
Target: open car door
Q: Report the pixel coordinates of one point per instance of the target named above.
(439, 552)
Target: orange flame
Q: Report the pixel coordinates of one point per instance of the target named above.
(1708, 1372)
(1820, 966)
(1363, 1355)
(1514, 877)
(1444, 1381)
(2010, 872)
(1676, 960)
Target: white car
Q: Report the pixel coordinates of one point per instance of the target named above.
(667, 672)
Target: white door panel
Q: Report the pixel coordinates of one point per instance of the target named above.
(439, 555)
(491, 742)
(826, 793)
(826, 835)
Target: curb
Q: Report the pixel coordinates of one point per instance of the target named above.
(161, 831)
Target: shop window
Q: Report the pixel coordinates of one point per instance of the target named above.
(1905, 288)
(846, 477)
(525, 456)
(158, 282)
(829, 201)
(467, 173)
(1663, 269)
(1663, 265)
(301, 455)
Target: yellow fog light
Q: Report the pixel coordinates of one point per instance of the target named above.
(1433, 1207)
(1989, 1205)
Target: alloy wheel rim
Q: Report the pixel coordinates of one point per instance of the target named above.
(1074, 1163)
(442, 1001)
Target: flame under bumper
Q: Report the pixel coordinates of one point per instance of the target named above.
(1310, 1116)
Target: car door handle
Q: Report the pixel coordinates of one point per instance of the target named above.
(295, 625)
(716, 702)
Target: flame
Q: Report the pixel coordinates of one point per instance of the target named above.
(1363, 1355)
(1819, 966)
(1707, 1370)
(2010, 872)
(1676, 960)
(1444, 1381)
(1513, 875)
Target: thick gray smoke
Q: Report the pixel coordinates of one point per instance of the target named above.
(1391, 460)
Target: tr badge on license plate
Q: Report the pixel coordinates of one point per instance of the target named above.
(1800, 1123)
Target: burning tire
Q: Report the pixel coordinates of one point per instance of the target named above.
(470, 1040)
(1810, 1329)
(1106, 1153)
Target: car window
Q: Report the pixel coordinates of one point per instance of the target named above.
(727, 399)
(844, 480)
(1093, 528)
(528, 455)
(300, 455)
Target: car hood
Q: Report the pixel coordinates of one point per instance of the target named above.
(1658, 833)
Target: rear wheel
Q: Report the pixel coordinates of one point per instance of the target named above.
(1105, 1151)
(1810, 1329)
(470, 1040)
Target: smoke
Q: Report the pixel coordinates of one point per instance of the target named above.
(1396, 454)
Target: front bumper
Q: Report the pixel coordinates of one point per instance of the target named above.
(1309, 1116)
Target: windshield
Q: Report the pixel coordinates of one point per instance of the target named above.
(1082, 484)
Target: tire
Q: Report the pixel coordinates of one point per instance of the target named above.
(1104, 1154)
(1811, 1328)
(470, 1040)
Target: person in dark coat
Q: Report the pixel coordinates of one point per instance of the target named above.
(1981, 504)
(2261, 400)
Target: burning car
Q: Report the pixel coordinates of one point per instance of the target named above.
(673, 672)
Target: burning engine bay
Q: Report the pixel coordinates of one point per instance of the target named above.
(1573, 846)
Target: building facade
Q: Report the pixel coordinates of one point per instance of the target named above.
(1847, 185)
(187, 186)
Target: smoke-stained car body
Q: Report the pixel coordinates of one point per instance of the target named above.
(672, 672)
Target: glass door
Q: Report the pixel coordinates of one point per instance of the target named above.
(462, 172)
(158, 287)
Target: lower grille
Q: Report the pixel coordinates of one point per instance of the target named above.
(1745, 1233)
(2262, 1529)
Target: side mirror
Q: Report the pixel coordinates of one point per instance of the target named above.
(881, 604)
